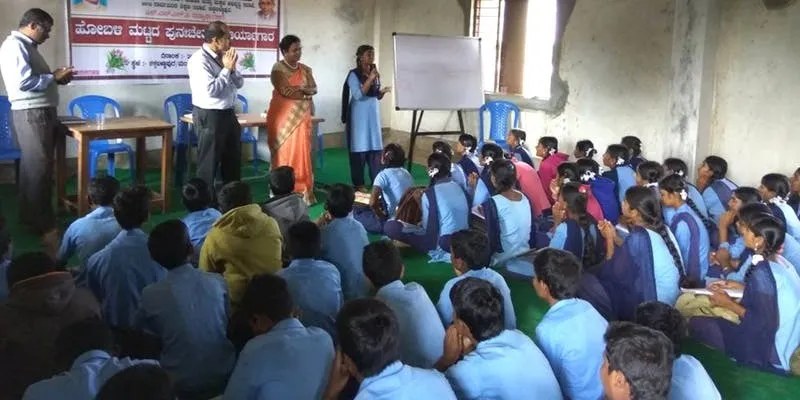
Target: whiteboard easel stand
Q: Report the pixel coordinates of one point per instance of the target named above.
(416, 121)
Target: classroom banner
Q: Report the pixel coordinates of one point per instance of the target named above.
(152, 40)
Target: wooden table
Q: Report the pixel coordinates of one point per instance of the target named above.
(251, 120)
(139, 128)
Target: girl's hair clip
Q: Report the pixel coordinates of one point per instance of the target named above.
(432, 172)
(438, 151)
(680, 173)
(652, 185)
(488, 160)
(551, 151)
(565, 180)
(684, 195)
(588, 176)
(755, 259)
(620, 161)
(589, 151)
(522, 142)
(468, 150)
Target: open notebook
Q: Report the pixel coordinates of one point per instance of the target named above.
(734, 293)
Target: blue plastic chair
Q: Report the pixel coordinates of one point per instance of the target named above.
(185, 136)
(247, 135)
(498, 118)
(8, 151)
(89, 106)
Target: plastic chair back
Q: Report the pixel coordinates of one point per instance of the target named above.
(499, 113)
(182, 104)
(91, 105)
(6, 139)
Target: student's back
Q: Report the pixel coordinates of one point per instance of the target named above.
(197, 196)
(343, 241)
(690, 380)
(400, 381)
(421, 331)
(394, 182)
(287, 210)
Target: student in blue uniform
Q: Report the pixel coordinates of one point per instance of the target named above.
(480, 185)
(769, 331)
(645, 266)
(285, 360)
(571, 331)
(138, 382)
(388, 188)
(603, 189)
(566, 172)
(86, 351)
(481, 357)
(471, 257)
(89, 234)
(716, 188)
(735, 267)
(315, 285)
(634, 145)
(619, 170)
(637, 363)
(197, 198)
(574, 230)
(467, 147)
(343, 240)
(648, 173)
(445, 210)
(689, 378)
(730, 243)
(775, 190)
(456, 172)
(369, 352)
(689, 227)
(516, 143)
(188, 311)
(421, 330)
(118, 273)
(678, 167)
(794, 196)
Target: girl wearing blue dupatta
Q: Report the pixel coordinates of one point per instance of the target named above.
(676, 166)
(516, 143)
(645, 266)
(388, 188)
(620, 171)
(575, 230)
(715, 187)
(688, 226)
(774, 190)
(470, 162)
(725, 237)
(481, 184)
(769, 331)
(634, 145)
(648, 173)
(584, 149)
(456, 172)
(603, 189)
(445, 209)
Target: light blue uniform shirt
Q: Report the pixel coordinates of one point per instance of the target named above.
(198, 224)
(481, 194)
(118, 274)
(559, 239)
(84, 379)
(792, 222)
(445, 307)
(88, 235)
(288, 362)
(394, 182)
(791, 252)
(736, 248)
(343, 241)
(452, 207)
(691, 381)
(399, 381)
(458, 176)
(507, 366)
(626, 178)
(697, 198)
(421, 332)
(665, 271)
(316, 287)
(571, 336)
(365, 119)
(514, 218)
(684, 238)
(714, 204)
(188, 310)
(787, 338)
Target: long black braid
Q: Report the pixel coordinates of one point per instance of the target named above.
(576, 205)
(772, 230)
(675, 184)
(643, 200)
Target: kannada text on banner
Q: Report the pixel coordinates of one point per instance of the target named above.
(153, 40)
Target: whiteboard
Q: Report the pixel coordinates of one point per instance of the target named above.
(437, 72)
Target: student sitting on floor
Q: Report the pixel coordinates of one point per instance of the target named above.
(421, 331)
(571, 332)
(619, 170)
(637, 363)
(196, 198)
(244, 242)
(568, 172)
(118, 273)
(85, 351)
(445, 209)
(388, 188)
(648, 174)
(634, 146)
(530, 185)
(689, 379)
(467, 147)
(481, 357)
(547, 151)
(189, 312)
(730, 242)
(456, 172)
(574, 230)
(137, 383)
(516, 144)
(343, 240)
(716, 188)
(286, 206)
(285, 360)
(480, 185)
(775, 189)
(603, 189)
(91, 233)
(315, 285)
(369, 351)
(471, 258)
(42, 302)
(584, 149)
(678, 167)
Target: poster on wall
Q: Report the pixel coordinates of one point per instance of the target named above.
(151, 40)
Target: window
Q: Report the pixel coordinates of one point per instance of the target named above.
(517, 51)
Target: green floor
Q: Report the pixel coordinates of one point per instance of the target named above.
(734, 382)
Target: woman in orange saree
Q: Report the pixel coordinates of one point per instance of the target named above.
(289, 116)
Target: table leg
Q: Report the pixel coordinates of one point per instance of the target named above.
(61, 171)
(83, 176)
(166, 168)
(141, 157)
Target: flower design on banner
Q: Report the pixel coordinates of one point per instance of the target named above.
(116, 61)
(248, 62)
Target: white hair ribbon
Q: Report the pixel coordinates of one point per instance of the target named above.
(589, 151)
(487, 160)
(680, 173)
(432, 172)
(652, 185)
(588, 176)
(565, 180)
(468, 150)
(620, 161)
(438, 151)
(522, 142)
(551, 151)
(684, 195)
(755, 259)
(777, 200)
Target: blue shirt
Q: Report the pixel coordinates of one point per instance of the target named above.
(559, 239)
(665, 271)
(691, 381)
(421, 332)
(88, 235)
(84, 379)
(315, 286)
(507, 366)
(716, 206)
(399, 381)
(787, 286)
(118, 274)
(288, 362)
(394, 182)
(188, 310)
(343, 241)
(792, 222)
(365, 119)
(515, 219)
(684, 239)
(445, 307)
(458, 176)
(198, 223)
(452, 206)
(571, 336)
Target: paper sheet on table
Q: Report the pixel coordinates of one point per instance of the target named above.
(735, 293)
(363, 198)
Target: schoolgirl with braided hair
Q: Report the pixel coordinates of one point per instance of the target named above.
(678, 167)
(603, 189)
(575, 230)
(775, 190)
(715, 186)
(616, 159)
(648, 173)
(480, 185)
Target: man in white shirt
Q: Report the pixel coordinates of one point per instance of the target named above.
(214, 81)
(32, 89)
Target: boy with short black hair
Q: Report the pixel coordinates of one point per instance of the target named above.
(287, 207)
(637, 363)
(315, 285)
(369, 352)
(189, 312)
(343, 240)
(471, 256)
(285, 360)
(197, 198)
(421, 330)
(571, 332)
(139, 382)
